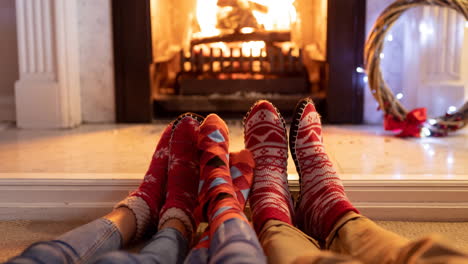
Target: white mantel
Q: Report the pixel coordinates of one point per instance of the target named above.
(66, 63)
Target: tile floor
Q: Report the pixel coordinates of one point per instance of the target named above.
(359, 152)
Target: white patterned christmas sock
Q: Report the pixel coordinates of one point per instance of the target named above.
(265, 137)
(323, 200)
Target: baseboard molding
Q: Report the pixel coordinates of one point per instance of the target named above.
(87, 196)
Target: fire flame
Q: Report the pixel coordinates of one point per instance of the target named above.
(268, 15)
(278, 16)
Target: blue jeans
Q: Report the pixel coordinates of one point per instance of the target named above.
(97, 242)
(233, 242)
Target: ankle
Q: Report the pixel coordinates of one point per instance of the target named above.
(177, 225)
(125, 221)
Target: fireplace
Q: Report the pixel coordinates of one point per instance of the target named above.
(222, 55)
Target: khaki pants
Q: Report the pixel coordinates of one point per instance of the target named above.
(354, 239)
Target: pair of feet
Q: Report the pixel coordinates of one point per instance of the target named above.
(193, 168)
(322, 199)
(176, 171)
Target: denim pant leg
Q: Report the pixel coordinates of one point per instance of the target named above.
(167, 246)
(235, 241)
(197, 256)
(77, 246)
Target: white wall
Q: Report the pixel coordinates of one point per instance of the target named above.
(96, 60)
(8, 59)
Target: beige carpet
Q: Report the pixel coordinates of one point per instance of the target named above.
(17, 235)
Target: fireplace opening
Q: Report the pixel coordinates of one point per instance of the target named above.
(236, 52)
(223, 55)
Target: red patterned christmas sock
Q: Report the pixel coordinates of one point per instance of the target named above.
(265, 137)
(146, 201)
(323, 200)
(222, 209)
(205, 240)
(213, 143)
(183, 173)
(241, 167)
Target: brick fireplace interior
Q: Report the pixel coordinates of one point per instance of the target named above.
(223, 55)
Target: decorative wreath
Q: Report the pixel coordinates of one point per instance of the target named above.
(397, 118)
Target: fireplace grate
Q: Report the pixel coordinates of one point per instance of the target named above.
(235, 60)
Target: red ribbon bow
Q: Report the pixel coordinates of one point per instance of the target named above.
(410, 127)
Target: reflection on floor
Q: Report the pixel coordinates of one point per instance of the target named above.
(358, 152)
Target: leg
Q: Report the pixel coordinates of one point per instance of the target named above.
(176, 224)
(127, 221)
(241, 167)
(146, 201)
(265, 136)
(199, 253)
(361, 238)
(169, 245)
(232, 238)
(183, 175)
(325, 212)
(78, 245)
(322, 199)
(283, 243)
(235, 241)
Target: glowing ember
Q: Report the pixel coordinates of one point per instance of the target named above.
(253, 48)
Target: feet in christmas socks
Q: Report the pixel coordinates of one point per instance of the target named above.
(322, 198)
(183, 173)
(146, 201)
(217, 195)
(241, 167)
(265, 137)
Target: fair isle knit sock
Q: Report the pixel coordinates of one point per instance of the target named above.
(183, 174)
(145, 202)
(323, 200)
(265, 137)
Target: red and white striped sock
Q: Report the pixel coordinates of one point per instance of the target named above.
(265, 137)
(323, 200)
(183, 174)
(146, 201)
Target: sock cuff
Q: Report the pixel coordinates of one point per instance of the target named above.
(142, 213)
(178, 214)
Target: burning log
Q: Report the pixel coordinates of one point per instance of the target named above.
(240, 14)
(266, 36)
(236, 19)
(252, 5)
